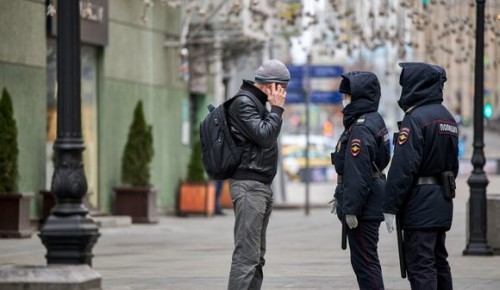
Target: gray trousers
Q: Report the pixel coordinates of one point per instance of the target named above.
(252, 201)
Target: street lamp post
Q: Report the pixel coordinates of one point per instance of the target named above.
(69, 234)
(477, 242)
(308, 91)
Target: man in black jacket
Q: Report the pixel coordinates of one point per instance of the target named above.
(362, 152)
(420, 185)
(256, 130)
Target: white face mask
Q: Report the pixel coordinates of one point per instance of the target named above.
(345, 102)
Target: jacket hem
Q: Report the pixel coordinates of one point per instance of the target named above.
(250, 175)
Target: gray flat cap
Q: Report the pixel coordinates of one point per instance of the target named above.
(272, 71)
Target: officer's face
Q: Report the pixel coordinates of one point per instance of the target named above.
(346, 100)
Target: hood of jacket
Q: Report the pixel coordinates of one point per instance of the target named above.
(421, 83)
(365, 95)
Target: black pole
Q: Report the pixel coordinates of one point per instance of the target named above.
(69, 234)
(477, 242)
(306, 150)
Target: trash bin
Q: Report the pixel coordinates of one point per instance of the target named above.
(493, 221)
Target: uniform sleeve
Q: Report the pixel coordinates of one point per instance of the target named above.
(408, 150)
(261, 131)
(455, 167)
(358, 169)
(456, 163)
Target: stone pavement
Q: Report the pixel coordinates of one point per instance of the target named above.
(304, 252)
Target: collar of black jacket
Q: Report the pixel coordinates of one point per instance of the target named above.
(251, 88)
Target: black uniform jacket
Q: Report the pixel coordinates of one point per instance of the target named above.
(256, 130)
(362, 147)
(427, 145)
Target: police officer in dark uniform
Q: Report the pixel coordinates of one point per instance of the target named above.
(420, 185)
(362, 152)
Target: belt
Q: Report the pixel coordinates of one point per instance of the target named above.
(340, 178)
(427, 180)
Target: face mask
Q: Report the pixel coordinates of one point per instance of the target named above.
(345, 103)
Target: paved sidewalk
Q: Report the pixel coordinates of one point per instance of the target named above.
(303, 251)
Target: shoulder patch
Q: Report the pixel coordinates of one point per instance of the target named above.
(404, 134)
(360, 121)
(447, 129)
(355, 147)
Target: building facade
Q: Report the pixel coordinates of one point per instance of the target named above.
(131, 65)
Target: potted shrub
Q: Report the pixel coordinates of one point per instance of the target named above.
(196, 193)
(14, 206)
(137, 197)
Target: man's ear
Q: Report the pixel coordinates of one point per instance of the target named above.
(266, 89)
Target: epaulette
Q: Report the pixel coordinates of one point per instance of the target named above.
(410, 110)
(361, 120)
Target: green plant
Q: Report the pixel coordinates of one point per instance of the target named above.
(9, 151)
(196, 171)
(138, 151)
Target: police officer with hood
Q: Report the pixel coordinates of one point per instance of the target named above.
(421, 180)
(362, 152)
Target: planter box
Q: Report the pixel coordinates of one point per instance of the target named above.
(138, 203)
(48, 202)
(15, 215)
(225, 197)
(493, 222)
(198, 198)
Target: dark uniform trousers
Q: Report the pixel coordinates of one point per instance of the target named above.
(425, 256)
(364, 257)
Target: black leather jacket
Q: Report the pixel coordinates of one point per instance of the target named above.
(256, 130)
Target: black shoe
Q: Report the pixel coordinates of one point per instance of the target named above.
(220, 213)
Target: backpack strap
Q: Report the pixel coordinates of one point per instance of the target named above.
(210, 107)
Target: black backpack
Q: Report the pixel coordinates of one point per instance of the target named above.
(219, 152)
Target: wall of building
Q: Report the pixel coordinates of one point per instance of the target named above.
(22, 72)
(137, 66)
(134, 66)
